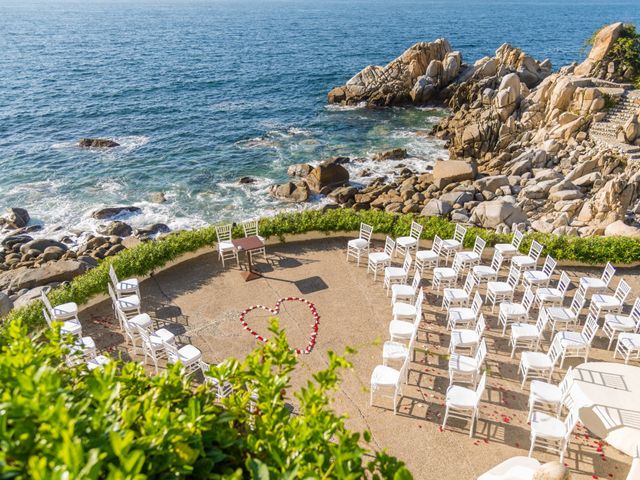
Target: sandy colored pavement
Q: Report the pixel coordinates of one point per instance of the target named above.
(200, 302)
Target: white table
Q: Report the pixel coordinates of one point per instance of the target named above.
(608, 398)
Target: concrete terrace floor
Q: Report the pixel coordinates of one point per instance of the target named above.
(200, 301)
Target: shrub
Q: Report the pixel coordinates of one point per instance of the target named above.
(149, 256)
(114, 423)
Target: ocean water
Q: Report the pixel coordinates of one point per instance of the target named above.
(202, 92)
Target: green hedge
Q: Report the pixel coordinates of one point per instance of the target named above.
(60, 422)
(149, 256)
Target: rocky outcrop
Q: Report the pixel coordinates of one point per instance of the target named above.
(451, 171)
(118, 228)
(24, 277)
(111, 212)
(6, 304)
(327, 176)
(413, 77)
(394, 154)
(97, 143)
(15, 218)
(291, 192)
(299, 170)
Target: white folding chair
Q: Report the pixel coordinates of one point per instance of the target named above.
(548, 395)
(452, 245)
(129, 305)
(406, 293)
(539, 364)
(590, 285)
(398, 351)
(540, 278)
(188, 355)
(462, 317)
(402, 310)
(466, 369)
(553, 296)
(122, 288)
(387, 378)
(601, 303)
(529, 261)
(561, 317)
(251, 228)
(404, 245)
(526, 335)
(445, 277)
(429, 258)
(379, 260)
(397, 275)
(628, 344)
(129, 325)
(358, 246)
(512, 312)
(578, 344)
(464, 403)
(226, 249)
(469, 259)
(503, 291)
(615, 324)
(71, 326)
(484, 273)
(152, 346)
(464, 338)
(508, 250)
(60, 313)
(223, 389)
(551, 433)
(458, 297)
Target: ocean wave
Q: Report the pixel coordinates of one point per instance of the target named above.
(334, 107)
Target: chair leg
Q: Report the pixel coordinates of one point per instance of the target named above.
(446, 414)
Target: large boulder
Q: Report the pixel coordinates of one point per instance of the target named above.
(5, 304)
(621, 229)
(602, 44)
(110, 212)
(450, 171)
(16, 217)
(291, 192)
(496, 212)
(327, 175)
(62, 271)
(97, 143)
(394, 154)
(299, 170)
(41, 244)
(117, 228)
(436, 208)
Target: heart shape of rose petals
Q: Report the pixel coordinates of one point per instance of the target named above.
(275, 311)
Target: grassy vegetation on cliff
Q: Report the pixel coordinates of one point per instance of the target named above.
(149, 256)
(63, 422)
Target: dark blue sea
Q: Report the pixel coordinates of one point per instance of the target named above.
(200, 93)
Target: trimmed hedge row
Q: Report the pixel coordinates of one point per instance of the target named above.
(149, 256)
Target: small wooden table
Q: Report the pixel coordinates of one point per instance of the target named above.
(248, 244)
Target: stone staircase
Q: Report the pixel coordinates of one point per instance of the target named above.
(606, 131)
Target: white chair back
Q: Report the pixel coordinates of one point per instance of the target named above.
(476, 306)
(577, 304)
(478, 246)
(480, 326)
(250, 228)
(517, 239)
(590, 328)
(460, 233)
(481, 354)
(549, 266)
(457, 265)
(406, 266)
(416, 230)
(555, 349)
(389, 246)
(496, 261)
(416, 281)
(113, 276)
(608, 273)
(541, 322)
(535, 250)
(112, 294)
(47, 303)
(365, 232)
(469, 284)
(404, 371)
(527, 299)
(622, 291)
(437, 245)
(46, 316)
(223, 232)
(635, 313)
(482, 384)
(514, 276)
(570, 423)
(146, 338)
(563, 283)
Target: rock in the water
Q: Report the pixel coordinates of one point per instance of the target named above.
(395, 154)
(436, 208)
(493, 213)
(299, 170)
(246, 180)
(552, 471)
(41, 245)
(291, 192)
(11, 240)
(153, 229)
(5, 304)
(157, 197)
(331, 175)
(449, 171)
(97, 143)
(110, 212)
(117, 228)
(621, 229)
(16, 218)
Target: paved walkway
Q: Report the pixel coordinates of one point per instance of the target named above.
(201, 302)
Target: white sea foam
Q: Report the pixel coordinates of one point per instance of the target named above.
(334, 107)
